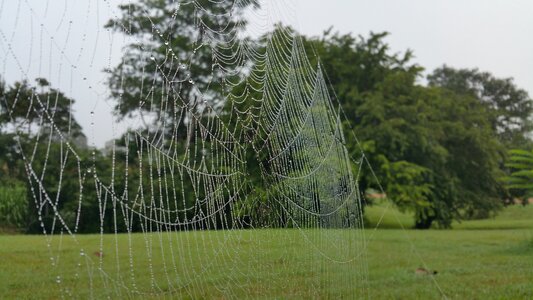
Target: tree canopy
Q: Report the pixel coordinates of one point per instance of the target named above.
(438, 150)
(509, 107)
(171, 45)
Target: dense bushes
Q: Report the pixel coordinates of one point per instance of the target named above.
(13, 205)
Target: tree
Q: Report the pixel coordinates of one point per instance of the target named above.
(432, 149)
(355, 66)
(172, 61)
(178, 65)
(37, 121)
(42, 109)
(510, 107)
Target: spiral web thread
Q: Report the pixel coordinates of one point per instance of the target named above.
(179, 214)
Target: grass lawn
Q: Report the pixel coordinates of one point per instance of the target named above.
(486, 259)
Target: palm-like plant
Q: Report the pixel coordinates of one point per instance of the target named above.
(521, 177)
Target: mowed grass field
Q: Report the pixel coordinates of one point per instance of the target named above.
(485, 259)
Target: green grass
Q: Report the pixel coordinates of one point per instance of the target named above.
(485, 259)
(512, 217)
(383, 215)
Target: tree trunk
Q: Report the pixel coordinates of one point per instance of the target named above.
(424, 223)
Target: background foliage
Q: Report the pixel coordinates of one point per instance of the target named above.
(440, 150)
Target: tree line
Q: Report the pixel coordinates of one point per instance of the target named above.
(452, 145)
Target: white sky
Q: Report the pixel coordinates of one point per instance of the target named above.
(493, 35)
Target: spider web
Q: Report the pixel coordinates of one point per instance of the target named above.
(233, 184)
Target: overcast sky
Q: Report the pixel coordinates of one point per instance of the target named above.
(48, 37)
